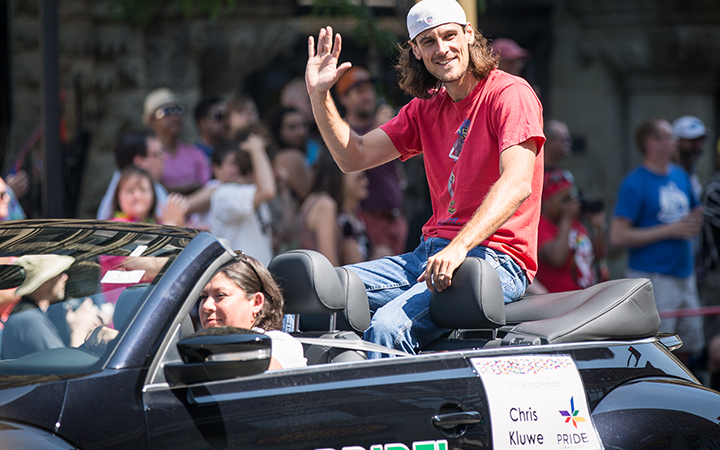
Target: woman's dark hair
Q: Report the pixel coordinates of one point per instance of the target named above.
(276, 121)
(328, 177)
(132, 171)
(203, 107)
(221, 152)
(415, 80)
(130, 144)
(251, 276)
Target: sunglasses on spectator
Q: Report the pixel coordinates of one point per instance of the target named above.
(169, 110)
(157, 154)
(216, 116)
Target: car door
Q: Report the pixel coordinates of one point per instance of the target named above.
(425, 402)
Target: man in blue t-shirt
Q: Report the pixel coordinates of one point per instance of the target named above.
(656, 217)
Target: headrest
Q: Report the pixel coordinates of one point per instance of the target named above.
(357, 309)
(308, 282)
(355, 316)
(617, 309)
(126, 304)
(474, 300)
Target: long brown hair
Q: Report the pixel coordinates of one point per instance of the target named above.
(251, 276)
(415, 80)
(134, 171)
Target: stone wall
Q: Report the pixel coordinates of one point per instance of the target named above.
(616, 62)
(117, 64)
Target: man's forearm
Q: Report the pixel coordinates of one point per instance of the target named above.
(623, 234)
(340, 139)
(504, 197)
(494, 211)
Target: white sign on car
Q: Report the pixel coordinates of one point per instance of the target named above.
(537, 402)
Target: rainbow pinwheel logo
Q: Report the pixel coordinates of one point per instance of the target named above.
(572, 415)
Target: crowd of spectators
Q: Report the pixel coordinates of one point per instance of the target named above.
(268, 185)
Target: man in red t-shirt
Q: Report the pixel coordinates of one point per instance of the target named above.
(480, 132)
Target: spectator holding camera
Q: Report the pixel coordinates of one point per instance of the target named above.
(566, 249)
(571, 245)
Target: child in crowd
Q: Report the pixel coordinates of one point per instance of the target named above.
(238, 208)
(224, 170)
(134, 200)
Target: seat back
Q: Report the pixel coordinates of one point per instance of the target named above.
(316, 290)
(127, 304)
(308, 288)
(356, 315)
(617, 309)
(474, 300)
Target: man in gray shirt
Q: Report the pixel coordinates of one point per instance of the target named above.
(28, 329)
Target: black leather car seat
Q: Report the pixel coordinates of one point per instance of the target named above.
(331, 303)
(617, 309)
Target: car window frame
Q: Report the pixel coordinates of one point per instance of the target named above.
(167, 350)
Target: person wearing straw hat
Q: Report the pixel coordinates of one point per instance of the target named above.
(187, 168)
(480, 132)
(28, 329)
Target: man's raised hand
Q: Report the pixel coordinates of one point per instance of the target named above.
(322, 70)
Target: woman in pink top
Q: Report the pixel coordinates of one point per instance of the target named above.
(186, 166)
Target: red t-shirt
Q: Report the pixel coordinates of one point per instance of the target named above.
(461, 145)
(577, 272)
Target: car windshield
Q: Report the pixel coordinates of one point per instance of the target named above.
(69, 292)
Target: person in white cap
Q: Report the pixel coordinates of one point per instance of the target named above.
(691, 135)
(480, 132)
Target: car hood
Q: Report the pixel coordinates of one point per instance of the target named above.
(17, 436)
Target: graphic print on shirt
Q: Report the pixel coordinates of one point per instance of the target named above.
(451, 181)
(583, 257)
(674, 203)
(458, 145)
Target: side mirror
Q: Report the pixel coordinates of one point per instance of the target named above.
(11, 276)
(220, 354)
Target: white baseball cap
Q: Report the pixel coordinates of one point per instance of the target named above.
(689, 127)
(428, 14)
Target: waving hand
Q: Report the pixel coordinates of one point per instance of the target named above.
(322, 69)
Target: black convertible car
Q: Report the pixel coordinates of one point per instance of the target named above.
(577, 370)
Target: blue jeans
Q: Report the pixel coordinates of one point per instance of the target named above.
(401, 306)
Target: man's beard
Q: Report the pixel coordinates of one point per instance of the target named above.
(444, 77)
